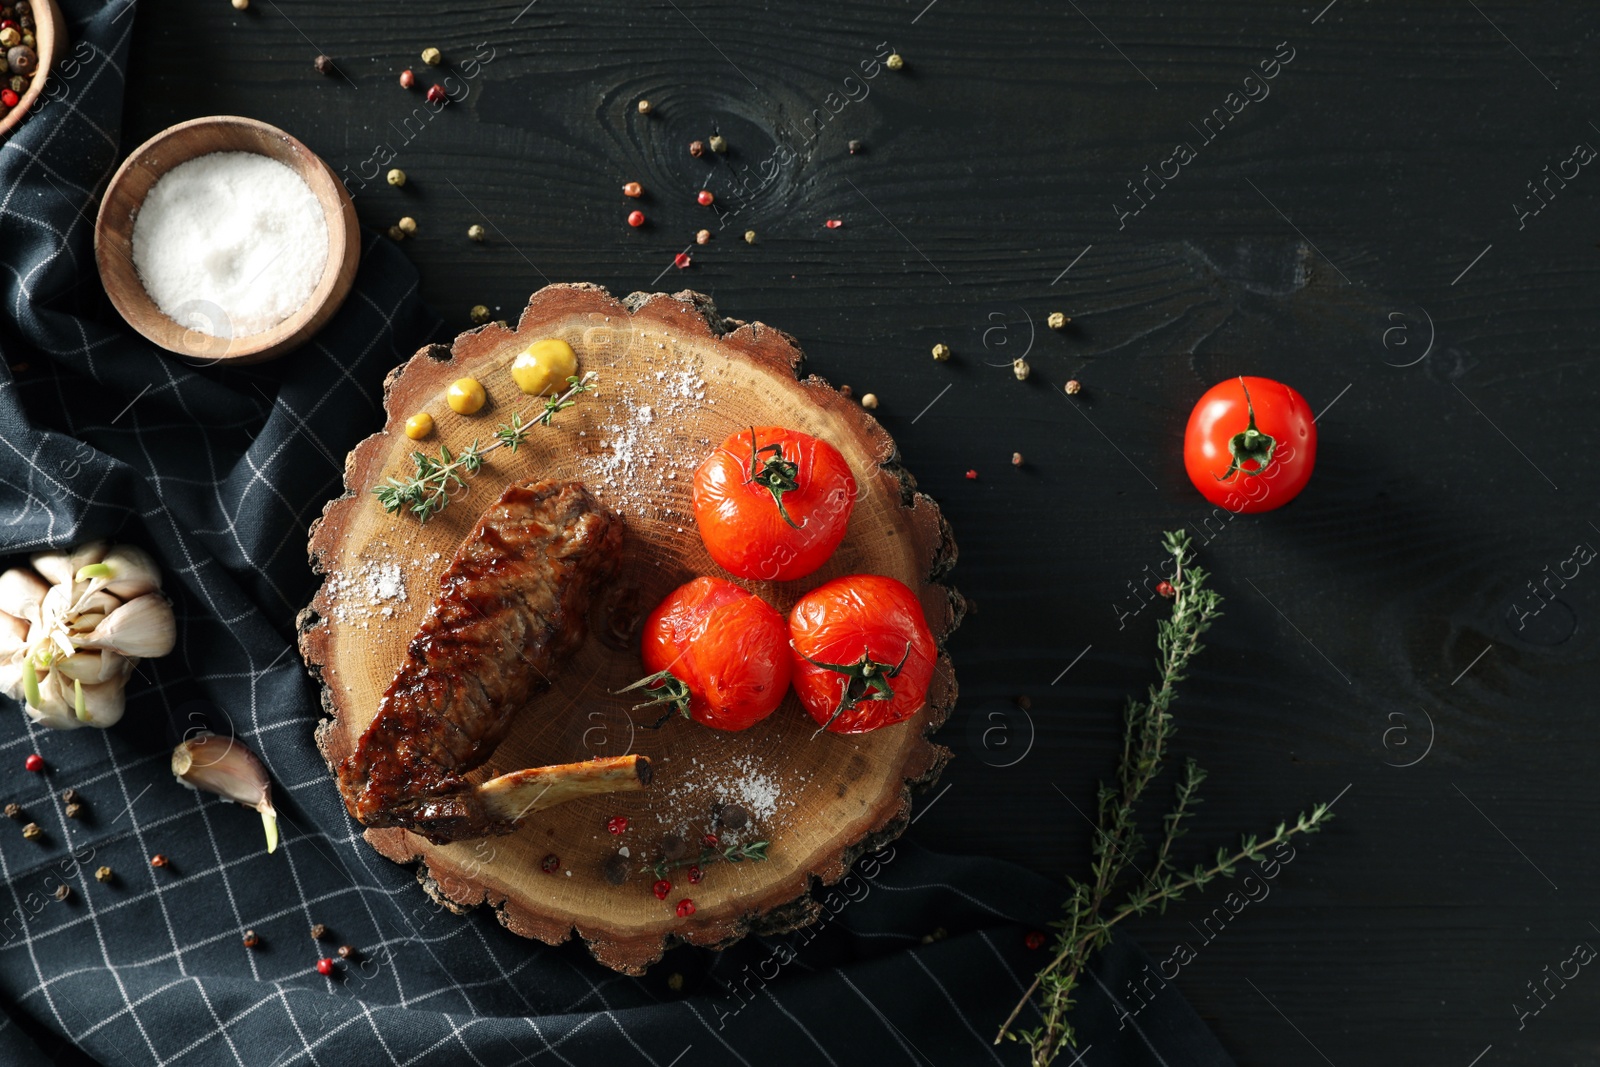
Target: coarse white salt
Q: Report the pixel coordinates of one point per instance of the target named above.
(230, 243)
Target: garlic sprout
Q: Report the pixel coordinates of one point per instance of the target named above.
(222, 765)
(72, 628)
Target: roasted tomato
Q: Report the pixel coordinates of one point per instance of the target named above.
(863, 655)
(716, 653)
(772, 504)
(1251, 444)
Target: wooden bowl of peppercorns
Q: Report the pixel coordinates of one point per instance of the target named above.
(32, 35)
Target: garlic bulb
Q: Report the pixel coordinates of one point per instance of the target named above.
(70, 639)
(222, 765)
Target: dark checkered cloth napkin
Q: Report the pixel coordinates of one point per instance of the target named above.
(219, 473)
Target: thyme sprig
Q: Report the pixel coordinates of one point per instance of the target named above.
(1147, 728)
(427, 491)
(754, 850)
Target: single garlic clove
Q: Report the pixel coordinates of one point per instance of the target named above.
(224, 766)
(99, 602)
(47, 703)
(93, 666)
(126, 572)
(13, 635)
(62, 567)
(144, 628)
(11, 674)
(22, 594)
(101, 705)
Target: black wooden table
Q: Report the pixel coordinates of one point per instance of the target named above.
(1398, 221)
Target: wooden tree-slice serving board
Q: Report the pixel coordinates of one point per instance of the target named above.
(675, 378)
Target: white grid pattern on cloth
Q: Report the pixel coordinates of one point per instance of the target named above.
(149, 969)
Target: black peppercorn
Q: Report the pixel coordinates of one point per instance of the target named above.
(63, 891)
(734, 817)
(69, 795)
(13, 811)
(674, 847)
(22, 59)
(616, 869)
(697, 148)
(346, 951)
(74, 810)
(318, 932)
(324, 64)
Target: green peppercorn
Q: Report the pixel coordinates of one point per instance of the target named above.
(475, 232)
(718, 143)
(480, 314)
(941, 353)
(1057, 321)
(31, 831)
(397, 177)
(103, 874)
(749, 237)
(432, 56)
(895, 61)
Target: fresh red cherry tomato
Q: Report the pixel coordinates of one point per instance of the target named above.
(1251, 444)
(716, 653)
(772, 504)
(863, 654)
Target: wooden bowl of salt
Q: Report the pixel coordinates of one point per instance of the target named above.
(240, 255)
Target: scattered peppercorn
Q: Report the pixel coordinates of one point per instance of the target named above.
(1073, 387)
(675, 982)
(241, 5)
(695, 875)
(479, 313)
(749, 237)
(674, 847)
(1057, 321)
(661, 889)
(636, 218)
(734, 817)
(855, 147)
(702, 236)
(63, 891)
(74, 810)
(617, 824)
(550, 864)
(158, 860)
(251, 939)
(972, 476)
(697, 148)
(1020, 368)
(432, 56)
(34, 762)
(22, 59)
(318, 932)
(895, 61)
(685, 908)
(436, 94)
(13, 811)
(718, 143)
(103, 874)
(69, 795)
(644, 107)
(834, 224)
(31, 831)
(408, 226)
(396, 177)
(681, 260)
(324, 966)
(346, 951)
(407, 79)
(324, 64)
(869, 401)
(9, 97)
(941, 352)
(475, 232)
(1025, 702)
(1016, 459)
(710, 841)
(704, 198)
(633, 190)
(616, 869)
(1034, 940)
(846, 392)
(9, 37)
(396, 233)
(1165, 589)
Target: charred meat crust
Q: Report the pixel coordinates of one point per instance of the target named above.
(510, 612)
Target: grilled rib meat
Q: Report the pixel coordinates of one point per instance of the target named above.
(510, 611)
